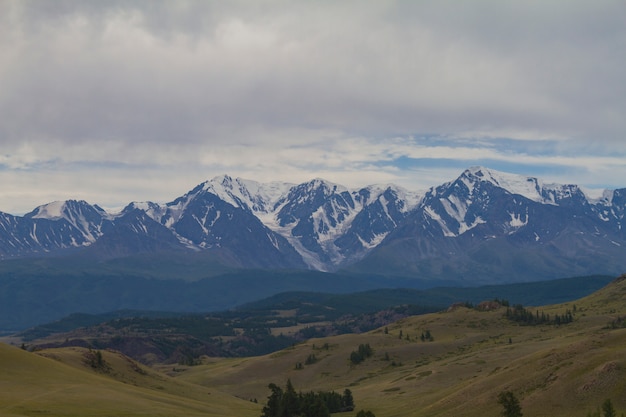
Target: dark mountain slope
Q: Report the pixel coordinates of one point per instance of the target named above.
(473, 230)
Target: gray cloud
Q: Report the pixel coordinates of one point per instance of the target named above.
(265, 87)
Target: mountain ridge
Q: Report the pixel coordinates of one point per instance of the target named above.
(325, 226)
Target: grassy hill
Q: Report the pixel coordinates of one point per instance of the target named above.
(475, 353)
(62, 382)
(566, 370)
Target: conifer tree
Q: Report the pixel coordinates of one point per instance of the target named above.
(607, 409)
(510, 404)
(347, 401)
(290, 402)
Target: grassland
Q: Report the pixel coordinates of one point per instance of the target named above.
(61, 382)
(566, 370)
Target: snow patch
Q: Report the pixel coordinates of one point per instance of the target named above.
(464, 227)
(376, 240)
(598, 196)
(516, 220)
(33, 233)
(433, 215)
(455, 208)
(50, 211)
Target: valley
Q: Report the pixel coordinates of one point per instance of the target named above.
(473, 354)
(565, 370)
(279, 321)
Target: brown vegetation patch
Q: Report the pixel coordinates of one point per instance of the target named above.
(602, 378)
(488, 306)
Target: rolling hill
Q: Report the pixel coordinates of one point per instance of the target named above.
(468, 357)
(61, 382)
(565, 370)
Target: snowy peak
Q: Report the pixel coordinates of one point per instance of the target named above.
(229, 190)
(153, 210)
(326, 226)
(313, 194)
(314, 217)
(247, 194)
(529, 187)
(329, 202)
(88, 219)
(321, 185)
(406, 200)
(69, 209)
(50, 211)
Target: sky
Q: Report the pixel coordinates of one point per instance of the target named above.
(119, 101)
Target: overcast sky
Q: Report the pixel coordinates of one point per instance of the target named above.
(116, 101)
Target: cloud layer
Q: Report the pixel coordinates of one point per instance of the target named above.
(114, 100)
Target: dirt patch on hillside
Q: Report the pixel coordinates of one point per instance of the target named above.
(602, 378)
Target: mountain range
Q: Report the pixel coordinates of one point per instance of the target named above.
(485, 226)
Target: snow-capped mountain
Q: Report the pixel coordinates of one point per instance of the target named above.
(487, 223)
(331, 225)
(310, 225)
(202, 220)
(51, 227)
(90, 220)
(483, 225)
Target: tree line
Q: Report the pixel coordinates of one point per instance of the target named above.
(288, 403)
(525, 316)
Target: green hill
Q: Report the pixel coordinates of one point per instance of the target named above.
(566, 370)
(63, 382)
(465, 359)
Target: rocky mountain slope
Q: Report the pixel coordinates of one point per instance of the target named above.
(484, 224)
(487, 223)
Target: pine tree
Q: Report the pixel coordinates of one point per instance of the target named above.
(510, 404)
(273, 406)
(290, 403)
(607, 409)
(347, 401)
(317, 409)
